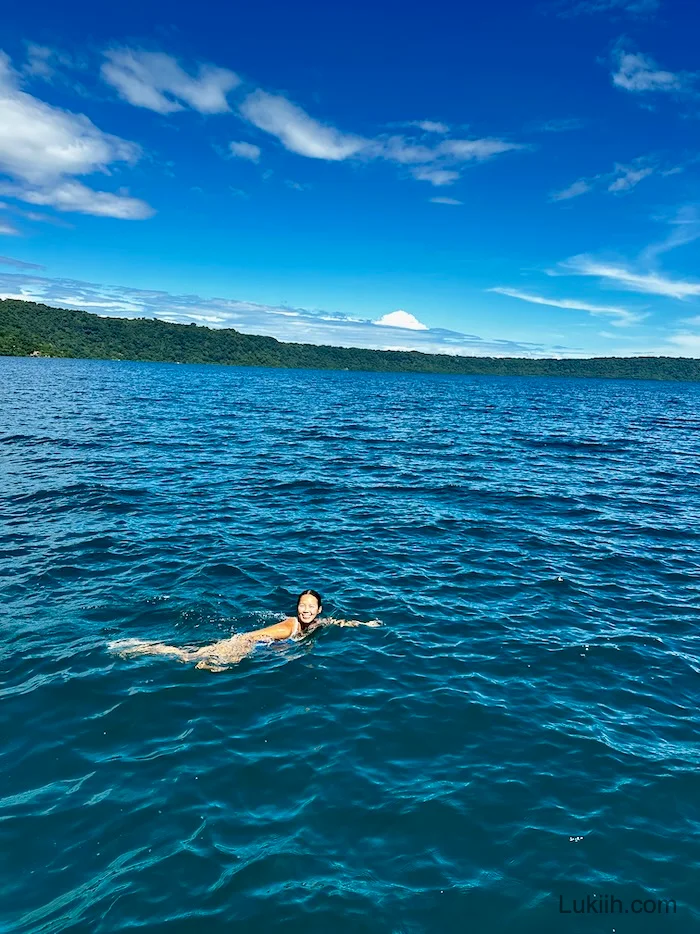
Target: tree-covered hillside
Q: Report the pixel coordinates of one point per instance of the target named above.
(29, 328)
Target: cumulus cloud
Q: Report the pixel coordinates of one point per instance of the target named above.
(157, 82)
(640, 74)
(623, 316)
(401, 319)
(650, 283)
(42, 145)
(245, 151)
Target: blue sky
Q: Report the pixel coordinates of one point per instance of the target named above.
(508, 178)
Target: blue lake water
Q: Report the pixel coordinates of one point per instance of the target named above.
(519, 736)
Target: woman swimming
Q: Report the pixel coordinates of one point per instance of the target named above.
(218, 655)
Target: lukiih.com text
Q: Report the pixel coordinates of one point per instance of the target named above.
(607, 904)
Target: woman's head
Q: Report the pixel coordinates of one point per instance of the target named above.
(309, 605)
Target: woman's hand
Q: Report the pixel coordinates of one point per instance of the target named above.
(357, 622)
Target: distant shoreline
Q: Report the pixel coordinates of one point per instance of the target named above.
(29, 329)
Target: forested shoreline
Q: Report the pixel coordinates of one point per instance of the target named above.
(28, 328)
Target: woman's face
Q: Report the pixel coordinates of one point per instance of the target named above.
(308, 609)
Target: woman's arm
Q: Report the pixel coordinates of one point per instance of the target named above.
(329, 621)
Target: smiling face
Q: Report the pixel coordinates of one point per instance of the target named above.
(308, 609)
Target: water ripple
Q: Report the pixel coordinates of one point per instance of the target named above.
(522, 727)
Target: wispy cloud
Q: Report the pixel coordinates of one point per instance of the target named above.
(649, 283)
(76, 197)
(581, 187)
(18, 263)
(158, 82)
(43, 146)
(629, 7)
(44, 62)
(445, 201)
(639, 73)
(296, 130)
(300, 133)
(7, 229)
(687, 342)
(562, 125)
(628, 177)
(622, 179)
(245, 151)
(623, 316)
(432, 126)
(685, 226)
(437, 177)
(284, 323)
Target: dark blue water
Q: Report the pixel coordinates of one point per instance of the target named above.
(519, 736)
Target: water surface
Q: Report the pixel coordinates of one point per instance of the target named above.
(521, 732)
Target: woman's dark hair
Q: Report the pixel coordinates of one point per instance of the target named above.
(313, 593)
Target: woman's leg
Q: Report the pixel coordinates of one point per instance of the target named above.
(130, 647)
(214, 657)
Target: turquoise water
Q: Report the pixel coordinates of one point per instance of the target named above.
(519, 735)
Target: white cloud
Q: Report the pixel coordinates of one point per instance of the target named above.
(296, 130)
(435, 176)
(41, 142)
(401, 319)
(42, 145)
(686, 229)
(18, 263)
(573, 191)
(562, 125)
(76, 197)
(302, 134)
(690, 343)
(639, 73)
(157, 82)
(623, 315)
(445, 201)
(629, 176)
(633, 7)
(38, 62)
(464, 150)
(621, 179)
(7, 230)
(649, 283)
(432, 126)
(245, 151)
